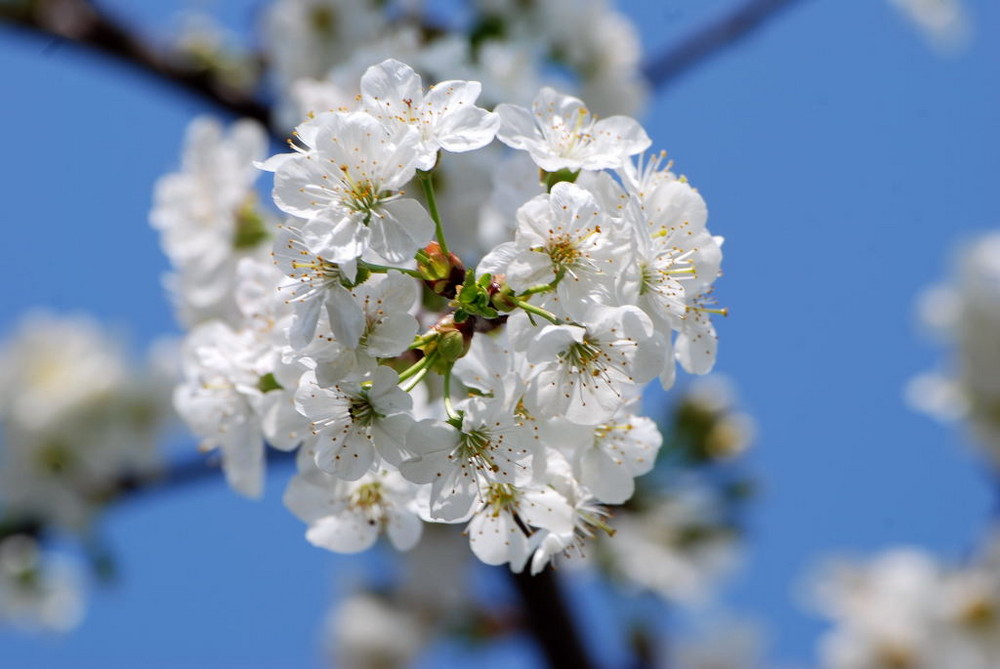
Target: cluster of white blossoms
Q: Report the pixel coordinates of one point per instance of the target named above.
(76, 418)
(965, 314)
(906, 610)
(418, 390)
(320, 48)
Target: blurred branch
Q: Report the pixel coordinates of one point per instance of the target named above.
(710, 40)
(182, 473)
(548, 618)
(172, 476)
(82, 24)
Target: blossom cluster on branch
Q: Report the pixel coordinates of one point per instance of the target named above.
(419, 390)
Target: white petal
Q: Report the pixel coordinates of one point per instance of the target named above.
(344, 533)
(404, 530)
(399, 228)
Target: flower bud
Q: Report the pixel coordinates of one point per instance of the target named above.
(441, 272)
(502, 296)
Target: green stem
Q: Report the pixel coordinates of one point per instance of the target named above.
(538, 311)
(415, 381)
(424, 339)
(534, 290)
(382, 269)
(448, 407)
(415, 368)
(426, 182)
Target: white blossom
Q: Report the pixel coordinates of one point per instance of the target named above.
(345, 180)
(208, 217)
(560, 133)
(586, 372)
(349, 516)
(445, 117)
(491, 446)
(354, 421)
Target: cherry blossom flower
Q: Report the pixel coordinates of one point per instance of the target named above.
(560, 133)
(445, 116)
(354, 421)
(349, 516)
(346, 181)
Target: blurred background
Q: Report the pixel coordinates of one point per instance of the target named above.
(845, 154)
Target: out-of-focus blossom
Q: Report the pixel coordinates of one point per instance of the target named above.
(37, 592)
(208, 218)
(943, 22)
(677, 548)
(965, 314)
(77, 417)
(370, 632)
(906, 609)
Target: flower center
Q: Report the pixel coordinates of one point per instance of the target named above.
(583, 356)
(361, 411)
(562, 250)
(474, 446)
(500, 497)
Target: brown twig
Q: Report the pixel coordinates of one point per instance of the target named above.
(549, 620)
(710, 40)
(80, 23)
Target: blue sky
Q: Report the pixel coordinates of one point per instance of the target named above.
(841, 158)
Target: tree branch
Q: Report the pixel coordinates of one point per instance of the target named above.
(549, 620)
(82, 24)
(710, 40)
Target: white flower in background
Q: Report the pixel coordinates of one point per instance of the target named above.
(368, 632)
(346, 180)
(590, 38)
(603, 44)
(226, 374)
(943, 22)
(727, 643)
(354, 421)
(349, 516)
(37, 592)
(966, 315)
(673, 548)
(51, 365)
(208, 217)
(885, 613)
(305, 38)
(514, 181)
(76, 417)
(446, 116)
(904, 608)
(560, 133)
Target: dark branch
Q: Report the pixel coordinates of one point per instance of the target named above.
(81, 24)
(710, 40)
(549, 620)
(183, 473)
(174, 476)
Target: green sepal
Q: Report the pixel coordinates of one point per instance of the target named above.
(267, 383)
